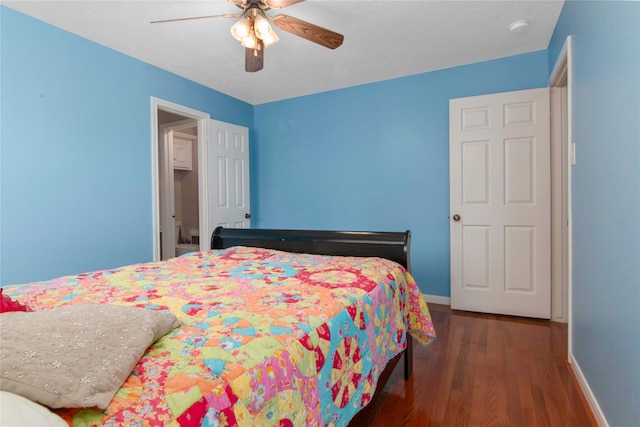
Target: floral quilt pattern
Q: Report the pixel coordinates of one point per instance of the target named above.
(269, 338)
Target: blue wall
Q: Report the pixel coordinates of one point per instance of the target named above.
(375, 157)
(606, 199)
(76, 150)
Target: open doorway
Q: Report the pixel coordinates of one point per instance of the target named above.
(178, 148)
(179, 180)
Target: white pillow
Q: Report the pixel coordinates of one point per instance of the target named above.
(18, 411)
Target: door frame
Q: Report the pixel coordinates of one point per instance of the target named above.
(202, 125)
(561, 78)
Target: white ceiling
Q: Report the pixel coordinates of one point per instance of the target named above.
(383, 39)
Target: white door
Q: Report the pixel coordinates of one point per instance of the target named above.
(228, 172)
(500, 203)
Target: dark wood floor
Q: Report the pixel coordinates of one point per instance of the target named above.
(486, 370)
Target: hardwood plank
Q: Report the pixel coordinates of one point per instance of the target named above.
(485, 370)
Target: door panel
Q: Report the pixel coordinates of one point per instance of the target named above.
(500, 188)
(519, 248)
(476, 255)
(475, 169)
(519, 170)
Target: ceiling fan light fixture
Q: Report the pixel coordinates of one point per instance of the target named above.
(261, 26)
(264, 31)
(241, 29)
(270, 39)
(250, 41)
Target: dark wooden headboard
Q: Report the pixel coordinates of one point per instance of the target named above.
(389, 245)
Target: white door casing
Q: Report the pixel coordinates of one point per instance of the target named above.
(559, 205)
(167, 203)
(157, 163)
(228, 171)
(500, 188)
(562, 79)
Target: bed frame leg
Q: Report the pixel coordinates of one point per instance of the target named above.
(408, 358)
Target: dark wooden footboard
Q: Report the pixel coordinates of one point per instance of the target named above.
(389, 245)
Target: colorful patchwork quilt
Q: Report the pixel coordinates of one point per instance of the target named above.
(269, 338)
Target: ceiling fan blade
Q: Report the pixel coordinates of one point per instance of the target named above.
(226, 15)
(311, 32)
(280, 4)
(240, 3)
(254, 58)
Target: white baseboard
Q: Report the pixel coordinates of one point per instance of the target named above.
(436, 299)
(588, 394)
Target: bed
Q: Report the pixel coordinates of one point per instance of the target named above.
(269, 327)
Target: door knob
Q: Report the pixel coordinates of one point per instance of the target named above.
(247, 215)
(456, 217)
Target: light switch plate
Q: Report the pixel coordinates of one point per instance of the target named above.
(572, 154)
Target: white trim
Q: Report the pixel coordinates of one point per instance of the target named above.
(437, 299)
(588, 394)
(562, 69)
(203, 119)
(569, 44)
(203, 182)
(558, 209)
(186, 135)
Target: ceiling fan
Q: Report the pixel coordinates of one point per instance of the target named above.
(255, 34)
